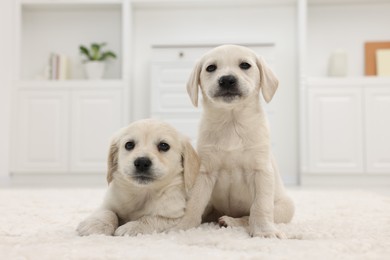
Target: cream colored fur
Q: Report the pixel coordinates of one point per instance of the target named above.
(239, 178)
(131, 207)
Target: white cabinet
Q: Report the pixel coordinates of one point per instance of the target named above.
(96, 115)
(63, 127)
(335, 130)
(41, 136)
(65, 130)
(348, 130)
(170, 101)
(377, 129)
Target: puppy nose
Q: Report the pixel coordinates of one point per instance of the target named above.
(142, 164)
(227, 81)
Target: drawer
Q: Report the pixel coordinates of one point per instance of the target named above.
(169, 92)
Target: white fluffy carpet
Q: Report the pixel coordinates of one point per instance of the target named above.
(40, 224)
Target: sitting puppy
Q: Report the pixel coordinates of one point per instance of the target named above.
(151, 168)
(239, 177)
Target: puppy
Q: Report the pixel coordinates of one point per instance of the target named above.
(151, 168)
(238, 177)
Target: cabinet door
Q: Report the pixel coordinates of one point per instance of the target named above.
(41, 139)
(170, 101)
(168, 88)
(335, 130)
(378, 129)
(96, 115)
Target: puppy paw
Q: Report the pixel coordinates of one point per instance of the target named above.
(103, 223)
(266, 231)
(268, 234)
(131, 228)
(95, 226)
(226, 221)
(223, 221)
(186, 223)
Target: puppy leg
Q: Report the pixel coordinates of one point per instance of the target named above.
(283, 213)
(284, 209)
(146, 225)
(226, 221)
(199, 198)
(101, 222)
(261, 219)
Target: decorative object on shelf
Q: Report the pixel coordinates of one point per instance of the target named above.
(57, 68)
(370, 56)
(338, 63)
(383, 62)
(94, 65)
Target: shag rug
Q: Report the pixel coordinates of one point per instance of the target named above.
(329, 224)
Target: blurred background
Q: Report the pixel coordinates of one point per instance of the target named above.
(73, 72)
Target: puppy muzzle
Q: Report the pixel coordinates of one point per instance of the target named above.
(142, 170)
(228, 88)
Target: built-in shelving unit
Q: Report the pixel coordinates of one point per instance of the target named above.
(65, 125)
(343, 127)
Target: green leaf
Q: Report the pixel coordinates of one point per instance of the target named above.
(95, 52)
(84, 50)
(95, 48)
(106, 55)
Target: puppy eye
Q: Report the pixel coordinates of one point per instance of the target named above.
(211, 68)
(163, 147)
(129, 146)
(245, 65)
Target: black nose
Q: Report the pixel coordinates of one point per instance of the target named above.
(142, 164)
(227, 81)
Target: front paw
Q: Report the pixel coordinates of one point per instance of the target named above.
(100, 223)
(266, 231)
(187, 223)
(95, 226)
(131, 228)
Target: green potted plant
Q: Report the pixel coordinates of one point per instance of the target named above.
(95, 57)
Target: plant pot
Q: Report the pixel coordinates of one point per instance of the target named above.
(94, 69)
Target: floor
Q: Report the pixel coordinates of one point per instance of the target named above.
(329, 224)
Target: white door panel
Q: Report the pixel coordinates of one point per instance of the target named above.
(42, 132)
(95, 117)
(335, 130)
(378, 129)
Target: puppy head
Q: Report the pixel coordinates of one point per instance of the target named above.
(150, 151)
(230, 74)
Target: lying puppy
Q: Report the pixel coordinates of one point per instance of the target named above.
(238, 174)
(151, 168)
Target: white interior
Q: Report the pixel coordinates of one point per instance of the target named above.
(296, 37)
(326, 131)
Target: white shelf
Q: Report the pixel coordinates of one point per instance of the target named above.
(69, 2)
(61, 27)
(343, 2)
(206, 3)
(348, 81)
(70, 84)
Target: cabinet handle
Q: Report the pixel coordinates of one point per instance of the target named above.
(181, 54)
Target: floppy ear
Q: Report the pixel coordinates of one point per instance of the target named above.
(191, 165)
(193, 83)
(112, 161)
(268, 81)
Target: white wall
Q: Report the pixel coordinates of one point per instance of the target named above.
(347, 27)
(6, 47)
(262, 23)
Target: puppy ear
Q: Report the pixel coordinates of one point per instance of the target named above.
(193, 83)
(268, 81)
(191, 165)
(112, 161)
